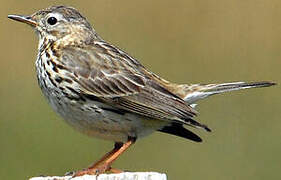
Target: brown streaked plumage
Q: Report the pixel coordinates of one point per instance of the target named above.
(103, 92)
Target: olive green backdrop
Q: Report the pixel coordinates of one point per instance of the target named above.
(185, 41)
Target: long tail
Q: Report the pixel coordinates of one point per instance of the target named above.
(196, 92)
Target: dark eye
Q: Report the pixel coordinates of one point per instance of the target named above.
(52, 20)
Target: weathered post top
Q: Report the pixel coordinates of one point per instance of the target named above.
(120, 176)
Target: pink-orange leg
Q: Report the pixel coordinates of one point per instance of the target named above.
(106, 156)
(104, 164)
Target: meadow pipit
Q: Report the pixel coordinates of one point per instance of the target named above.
(103, 92)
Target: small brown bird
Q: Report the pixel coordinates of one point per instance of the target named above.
(103, 92)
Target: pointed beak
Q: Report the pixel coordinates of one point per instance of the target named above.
(24, 19)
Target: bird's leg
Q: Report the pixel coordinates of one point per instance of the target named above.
(111, 159)
(104, 164)
(107, 155)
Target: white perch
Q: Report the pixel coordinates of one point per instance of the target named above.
(121, 176)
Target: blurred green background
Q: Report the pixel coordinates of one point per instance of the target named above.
(184, 41)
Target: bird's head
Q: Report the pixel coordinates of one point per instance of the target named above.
(56, 22)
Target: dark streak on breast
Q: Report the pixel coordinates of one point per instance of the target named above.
(58, 79)
(47, 54)
(55, 69)
(68, 80)
(61, 67)
(54, 51)
(52, 81)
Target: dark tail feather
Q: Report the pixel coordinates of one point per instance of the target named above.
(178, 130)
(195, 124)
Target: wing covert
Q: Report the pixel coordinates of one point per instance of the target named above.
(123, 83)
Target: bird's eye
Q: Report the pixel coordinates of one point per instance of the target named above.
(52, 20)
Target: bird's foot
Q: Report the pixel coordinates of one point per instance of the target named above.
(115, 171)
(97, 170)
(91, 171)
